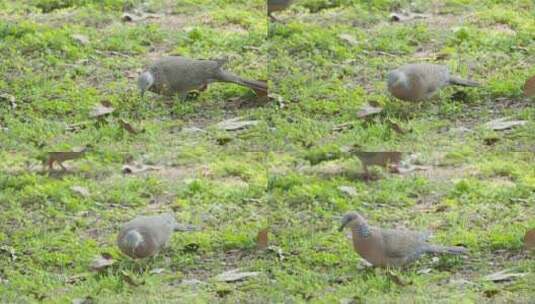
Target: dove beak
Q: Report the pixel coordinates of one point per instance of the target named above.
(341, 228)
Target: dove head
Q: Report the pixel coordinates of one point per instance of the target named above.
(352, 219)
(397, 78)
(145, 82)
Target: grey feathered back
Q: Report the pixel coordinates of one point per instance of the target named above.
(178, 75)
(422, 81)
(146, 235)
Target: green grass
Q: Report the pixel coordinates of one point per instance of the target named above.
(283, 173)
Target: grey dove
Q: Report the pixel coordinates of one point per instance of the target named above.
(145, 236)
(277, 5)
(420, 81)
(175, 75)
(390, 247)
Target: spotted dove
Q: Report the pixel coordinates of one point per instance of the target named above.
(420, 81)
(390, 247)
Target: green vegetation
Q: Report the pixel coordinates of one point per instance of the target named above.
(285, 172)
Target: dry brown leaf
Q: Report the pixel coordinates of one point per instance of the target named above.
(128, 127)
(262, 239)
(529, 87)
(101, 262)
(503, 276)
(529, 239)
(102, 109)
(368, 110)
(234, 275)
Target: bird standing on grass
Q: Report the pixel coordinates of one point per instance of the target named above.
(145, 236)
(390, 247)
(176, 75)
(420, 81)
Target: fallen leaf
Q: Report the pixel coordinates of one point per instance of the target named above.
(529, 239)
(80, 190)
(101, 109)
(350, 39)
(349, 190)
(138, 168)
(9, 98)
(81, 39)
(262, 239)
(503, 124)
(402, 17)
(86, 300)
(529, 87)
(502, 276)
(234, 275)
(101, 262)
(368, 110)
(235, 124)
(128, 127)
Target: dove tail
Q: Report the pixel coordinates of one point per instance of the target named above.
(446, 249)
(253, 84)
(463, 82)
